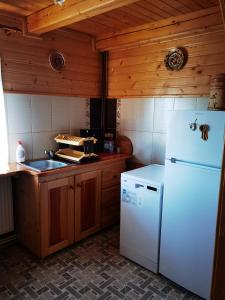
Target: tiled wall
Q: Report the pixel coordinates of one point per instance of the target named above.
(37, 119)
(145, 122)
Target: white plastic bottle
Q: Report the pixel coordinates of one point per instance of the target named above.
(20, 152)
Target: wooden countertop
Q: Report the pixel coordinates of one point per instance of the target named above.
(15, 168)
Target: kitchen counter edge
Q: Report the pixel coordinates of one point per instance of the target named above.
(14, 168)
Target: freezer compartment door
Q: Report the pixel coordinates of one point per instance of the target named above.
(188, 231)
(187, 145)
(140, 222)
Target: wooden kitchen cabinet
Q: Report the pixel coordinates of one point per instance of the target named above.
(55, 209)
(27, 211)
(110, 206)
(111, 174)
(44, 213)
(56, 214)
(87, 204)
(110, 200)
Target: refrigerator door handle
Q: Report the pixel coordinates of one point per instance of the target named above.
(193, 164)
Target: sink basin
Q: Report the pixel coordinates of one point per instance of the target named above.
(45, 164)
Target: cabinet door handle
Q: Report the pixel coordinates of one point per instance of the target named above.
(71, 187)
(115, 176)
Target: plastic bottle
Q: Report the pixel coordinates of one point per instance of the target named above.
(20, 152)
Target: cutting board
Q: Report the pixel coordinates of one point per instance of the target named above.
(125, 144)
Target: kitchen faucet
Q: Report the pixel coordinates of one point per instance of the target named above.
(50, 154)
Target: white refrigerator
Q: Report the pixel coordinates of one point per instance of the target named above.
(194, 154)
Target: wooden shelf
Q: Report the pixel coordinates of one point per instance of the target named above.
(73, 140)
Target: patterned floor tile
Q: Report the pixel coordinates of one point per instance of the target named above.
(89, 270)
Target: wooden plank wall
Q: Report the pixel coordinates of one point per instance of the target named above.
(139, 71)
(25, 66)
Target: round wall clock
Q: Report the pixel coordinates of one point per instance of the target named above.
(56, 60)
(175, 59)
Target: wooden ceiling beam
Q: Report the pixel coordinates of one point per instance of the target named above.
(72, 11)
(9, 8)
(222, 10)
(191, 24)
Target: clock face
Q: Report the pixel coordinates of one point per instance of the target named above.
(56, 60)
(175, 59)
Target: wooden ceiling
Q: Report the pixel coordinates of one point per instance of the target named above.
(139, 13)
(134, 14)
(24, 7)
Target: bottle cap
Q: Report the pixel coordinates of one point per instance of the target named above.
(19, 142)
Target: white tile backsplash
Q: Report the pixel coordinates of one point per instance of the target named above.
(202, 103)
(158, 148)
(147, 127)
(129, 114)
(37, 119)
(143, 147)
(161, 120)
(60, 113)
(185, 104)
(144, 122)
(77, 119)
(41, 109)
(18, 113)
(164, 104)
(42, 141)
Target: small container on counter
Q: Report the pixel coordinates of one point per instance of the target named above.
(109, 143)
(20, 152)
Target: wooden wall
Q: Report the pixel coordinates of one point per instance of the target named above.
(139, 70)
(25, 66)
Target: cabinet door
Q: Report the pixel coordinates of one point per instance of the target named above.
(110, 202)
(87, 204)
(56, 214)
(110, 206)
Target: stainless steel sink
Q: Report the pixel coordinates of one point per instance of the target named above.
(45, 164)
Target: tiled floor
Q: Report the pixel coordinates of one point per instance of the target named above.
(91, 269)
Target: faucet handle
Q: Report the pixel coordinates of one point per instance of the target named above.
(50, 154)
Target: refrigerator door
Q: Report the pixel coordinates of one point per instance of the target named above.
(189, 226)
(187, 145)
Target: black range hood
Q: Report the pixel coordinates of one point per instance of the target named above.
(103, 109)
